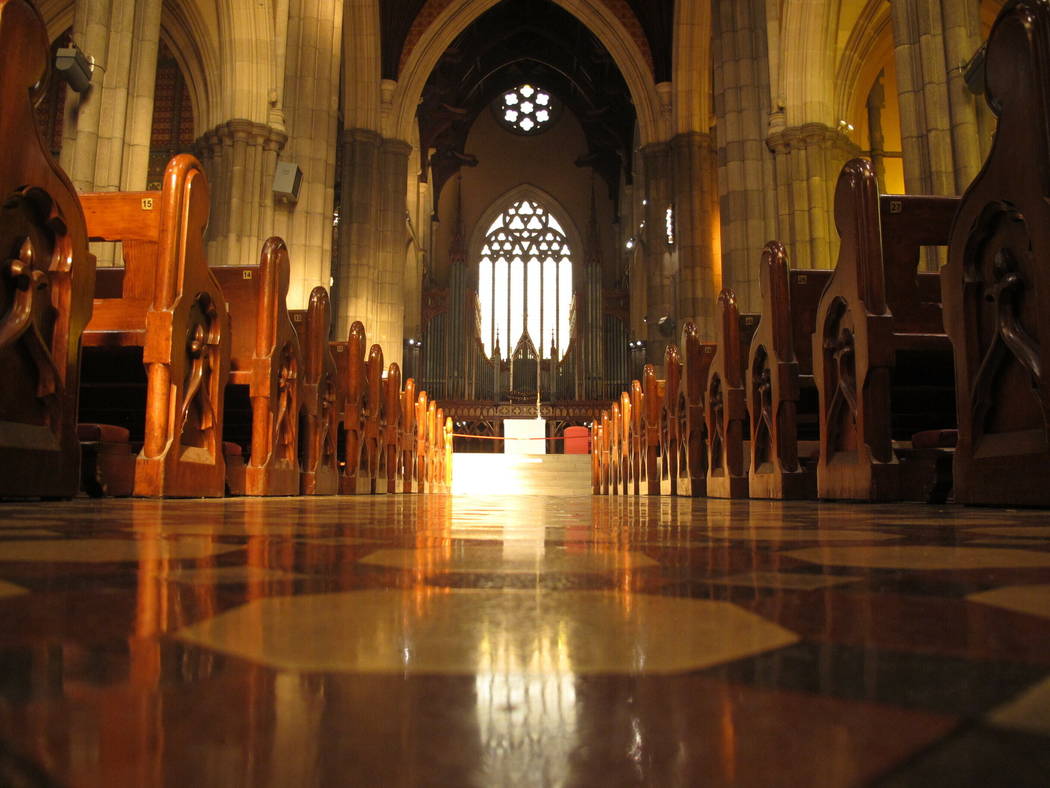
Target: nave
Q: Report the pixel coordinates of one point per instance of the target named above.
(528, 640)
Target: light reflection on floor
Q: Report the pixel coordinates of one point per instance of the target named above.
(479, 640)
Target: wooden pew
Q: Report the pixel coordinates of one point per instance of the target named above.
(448, 454)
(637, 436)
(266, 366)
(698, 356)
(726, 405)
(879, 325)
(781, 395)
(606, 451)
(408, 437)
(626, 438)
(350, 363)
(441, 426)
(671, 427)
(422, 442)
(372, 414)
(390, 427)
(323, 400)
(996, 283)
(596, 457)
(433, 444)
(48, 282)
(171, 307)
(652, 398)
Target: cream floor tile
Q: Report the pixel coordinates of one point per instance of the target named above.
(1031, 599)
(921, 557)
(10, 589)
(1029, 711)
(481, 632)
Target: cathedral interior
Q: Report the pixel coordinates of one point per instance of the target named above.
(558, 211)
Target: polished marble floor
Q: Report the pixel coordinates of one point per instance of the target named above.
(470, 640)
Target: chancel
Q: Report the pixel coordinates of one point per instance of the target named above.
(524, 392)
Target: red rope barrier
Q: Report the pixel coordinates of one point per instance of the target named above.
(498, 438)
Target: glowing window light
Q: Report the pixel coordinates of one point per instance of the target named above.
(525, 281)
(525, 109)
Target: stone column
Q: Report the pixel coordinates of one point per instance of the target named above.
(107, 129)
(240, 158)
(389, 315)
(875, 104)
(745, 166)
(695, 174)
(311, 109)
(940, 118)
(808, 159)
(661, 265)
(357, 265)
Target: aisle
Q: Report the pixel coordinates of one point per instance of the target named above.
(527, 640)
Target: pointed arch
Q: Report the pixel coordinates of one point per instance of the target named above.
(594, 14)
(188, 33)
(57, 16)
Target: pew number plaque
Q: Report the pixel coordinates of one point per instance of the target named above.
(147, 203)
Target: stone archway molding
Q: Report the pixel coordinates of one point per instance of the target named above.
(399, 116)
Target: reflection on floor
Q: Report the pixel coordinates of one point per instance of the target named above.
(405, 640)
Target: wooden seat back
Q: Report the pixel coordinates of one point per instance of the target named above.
(671, 428)
(652, 399)
(698, 356)
(48, 281)
(773, 380)
(323, 400)
(626, 436)
(615, 430)
(996, 283)
(422, 442)
(726, 406)
(637, 436)
(266, 358)
(408, 436)
(391, 426)
(857, 337)
(351, 366)
(171, 306)
(372, 432)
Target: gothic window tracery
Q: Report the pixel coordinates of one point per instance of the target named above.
(526, 109)
(525, 281)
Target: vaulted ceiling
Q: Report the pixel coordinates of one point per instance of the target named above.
(655, 17)
(539, 42)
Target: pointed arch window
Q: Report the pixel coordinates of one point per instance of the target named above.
(525, 281)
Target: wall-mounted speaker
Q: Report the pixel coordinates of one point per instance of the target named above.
(286, 182)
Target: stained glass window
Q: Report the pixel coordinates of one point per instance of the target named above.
(525, 281)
